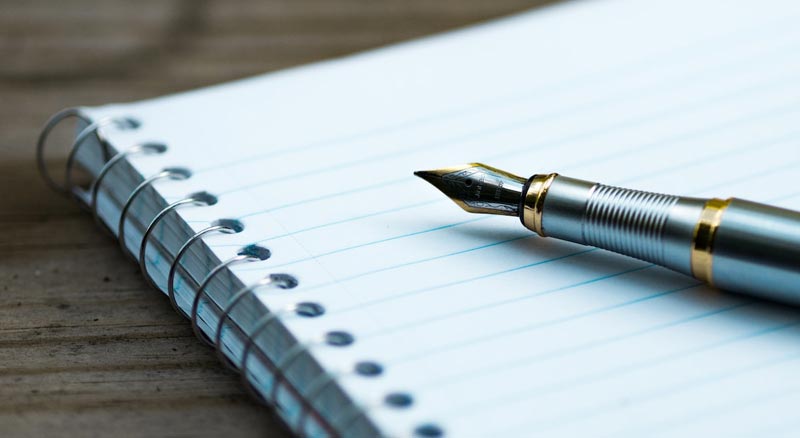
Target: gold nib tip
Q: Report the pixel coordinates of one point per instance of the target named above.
(439, 177)
(425, 174)
(477, 188)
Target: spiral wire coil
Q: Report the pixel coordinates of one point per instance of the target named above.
(344, 419)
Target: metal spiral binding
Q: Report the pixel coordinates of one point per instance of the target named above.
(196, 198)
(41, 143)
(226, 226)
(280, 281)
(260, 326)
(281, 367)
(147, 148)
(250, 253)
(172, 173)
(92, 128)
(80, 140)
(345, 419)
(316, 387)
(337, 339)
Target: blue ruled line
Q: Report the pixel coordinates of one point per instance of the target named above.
(529, 393)
(499, 303)
(524, 361)
(531, 148)
(645, 364)
(786, 197)
(339, 222)
(455, 283)
(380, 185)
(705, 414)
(508, 127)
(388, 239)
(784, 25)
(420, 261)
(696, 161)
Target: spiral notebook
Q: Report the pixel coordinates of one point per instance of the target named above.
(281, 215)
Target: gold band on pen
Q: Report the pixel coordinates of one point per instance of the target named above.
(703, 240)
(534, 202)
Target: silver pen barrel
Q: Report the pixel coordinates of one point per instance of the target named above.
(732, 244)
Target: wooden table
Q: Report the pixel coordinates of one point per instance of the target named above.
(85, 347)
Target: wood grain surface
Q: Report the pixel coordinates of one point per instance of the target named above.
(86, 349)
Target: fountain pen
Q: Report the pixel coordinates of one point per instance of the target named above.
(732, 244)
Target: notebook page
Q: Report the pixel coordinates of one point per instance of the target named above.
(491, 330)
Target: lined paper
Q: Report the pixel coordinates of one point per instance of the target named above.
(491, 330)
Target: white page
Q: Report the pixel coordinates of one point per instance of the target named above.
(492, 331)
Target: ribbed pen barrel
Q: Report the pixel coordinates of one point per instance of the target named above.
(627, 221)
(653, 227)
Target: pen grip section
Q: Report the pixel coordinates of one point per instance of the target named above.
(626, 221)
(649, 226)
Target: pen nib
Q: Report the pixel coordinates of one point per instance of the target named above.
(478, 188)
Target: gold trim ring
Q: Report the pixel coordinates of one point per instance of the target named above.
(534, 202)
(703, 240)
